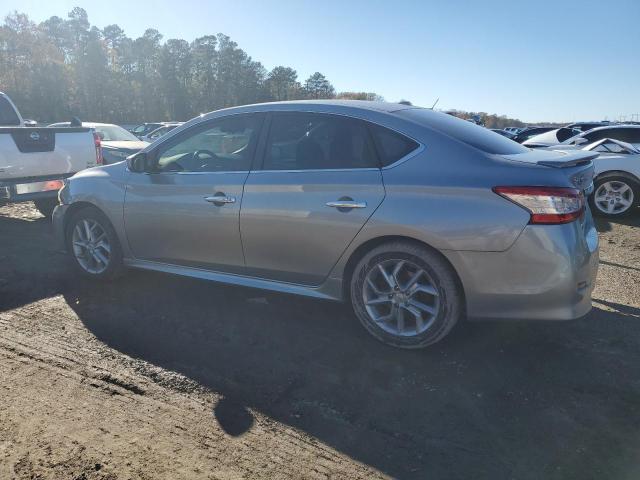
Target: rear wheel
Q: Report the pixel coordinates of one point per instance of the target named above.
(406, 295)
(615, 195)
(93, 244)
(46, 206)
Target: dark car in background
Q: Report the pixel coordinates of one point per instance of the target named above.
(527, 133)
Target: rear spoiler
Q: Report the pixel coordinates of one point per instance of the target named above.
(571, 159)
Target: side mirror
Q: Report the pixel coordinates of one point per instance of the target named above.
(580, 141)
(138, 162)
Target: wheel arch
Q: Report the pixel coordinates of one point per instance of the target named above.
(372, 243)
(71, 211)
(617, 173)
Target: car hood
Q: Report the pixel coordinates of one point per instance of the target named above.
(128, 145)
(115, 170)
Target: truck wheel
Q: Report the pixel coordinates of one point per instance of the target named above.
(46, 206)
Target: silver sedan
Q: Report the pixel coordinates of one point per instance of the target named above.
(415, 218)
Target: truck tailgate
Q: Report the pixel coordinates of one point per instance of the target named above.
(44, 152)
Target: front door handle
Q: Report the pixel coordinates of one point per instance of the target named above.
(346, 204)
(220, 199)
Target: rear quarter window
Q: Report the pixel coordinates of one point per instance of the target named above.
(467, 132)
(392, 146)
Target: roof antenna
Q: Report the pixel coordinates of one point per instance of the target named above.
(435, 103)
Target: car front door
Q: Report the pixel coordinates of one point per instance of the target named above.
(185, 211)
(319, 183)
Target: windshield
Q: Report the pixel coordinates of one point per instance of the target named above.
(113, 133)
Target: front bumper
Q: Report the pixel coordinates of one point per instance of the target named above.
(547, 274)
(57, 220)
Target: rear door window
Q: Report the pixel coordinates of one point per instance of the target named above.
(318, 141)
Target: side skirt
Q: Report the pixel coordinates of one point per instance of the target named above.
(330, 290)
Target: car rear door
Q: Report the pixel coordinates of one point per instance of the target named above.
(187, 211)
(319, 183)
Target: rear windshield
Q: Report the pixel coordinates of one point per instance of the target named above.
(467, 132)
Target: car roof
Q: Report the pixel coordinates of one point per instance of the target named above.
(314, 105)
(609, 127)
(84, 124)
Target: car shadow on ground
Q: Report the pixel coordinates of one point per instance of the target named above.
(498, 399)
(604, 224)
(501, 400)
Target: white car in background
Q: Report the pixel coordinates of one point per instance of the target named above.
(624, 133)
(616, 177)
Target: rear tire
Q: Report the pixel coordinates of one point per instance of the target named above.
(615, 195)
(406, 295)
(93, 245)
(46, 206)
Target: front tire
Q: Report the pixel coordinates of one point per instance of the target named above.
(615, 195)
(406, 295)
(93, 245)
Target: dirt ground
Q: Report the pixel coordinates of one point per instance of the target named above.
(160, 377)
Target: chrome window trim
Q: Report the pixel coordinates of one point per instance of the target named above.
(421, 148)
(366, 169)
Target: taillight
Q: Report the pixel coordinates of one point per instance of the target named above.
(547, 205)
(98, 144)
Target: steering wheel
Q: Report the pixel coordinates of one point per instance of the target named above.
(208, 153)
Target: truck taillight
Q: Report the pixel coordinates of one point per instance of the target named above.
(547, 205)
(98, 144)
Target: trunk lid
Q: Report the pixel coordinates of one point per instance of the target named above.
(576, 164)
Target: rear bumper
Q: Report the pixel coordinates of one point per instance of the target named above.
(547, 274)
(28, 189)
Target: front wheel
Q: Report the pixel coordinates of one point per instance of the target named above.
(93, 244)
(615, 196)
(406, 295)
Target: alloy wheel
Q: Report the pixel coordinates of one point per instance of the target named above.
(91, 246)
(401, 297)
(613, 197)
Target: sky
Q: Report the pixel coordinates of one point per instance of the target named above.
(542, 60)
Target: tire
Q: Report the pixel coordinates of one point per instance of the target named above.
(102, 233)
(377, 303)
(46, 206)
(615, 195)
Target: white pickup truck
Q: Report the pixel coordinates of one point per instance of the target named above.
(35, 161)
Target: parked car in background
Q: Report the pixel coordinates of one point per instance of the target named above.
(34, 161)
(624, 133)
(504, 133)
(413, 216)
(551, 137)
(585, 126)
(117, 143)
(529, 132)
(617, 178)
(160, 131)
(146, 128)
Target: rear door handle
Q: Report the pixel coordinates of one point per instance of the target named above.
(346, 204)
(220, 199)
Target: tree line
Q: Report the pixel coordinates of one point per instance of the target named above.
(64, 67)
